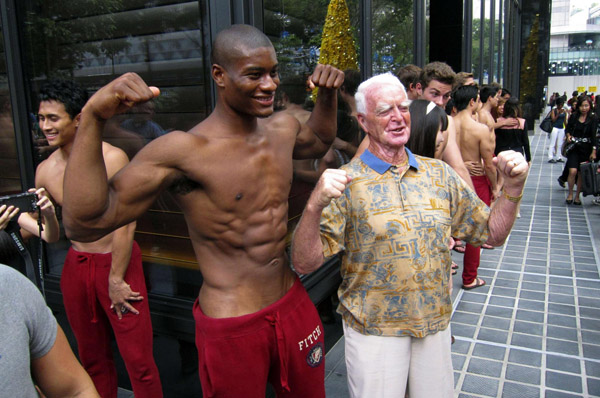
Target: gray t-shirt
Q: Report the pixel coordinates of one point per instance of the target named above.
(27, 331)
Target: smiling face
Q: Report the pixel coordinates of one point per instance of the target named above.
(249, 82)
(56, 123)
(387, 118)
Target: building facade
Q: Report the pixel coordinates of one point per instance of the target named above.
(168, 42)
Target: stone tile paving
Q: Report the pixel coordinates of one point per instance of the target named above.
(534, 330)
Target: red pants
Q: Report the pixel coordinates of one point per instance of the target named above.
(84, 284)
(472, 253)
(282, 344)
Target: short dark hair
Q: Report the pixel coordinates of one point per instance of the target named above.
(504, 92)
(67, 92)
(409, 74)
(487, 91)
(424, 127)
(462, 77)
(439, 71)
(352, 79)
(463, 96)
(559, 101)
(224, 46)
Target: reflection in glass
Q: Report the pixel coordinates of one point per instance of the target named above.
(10, 176)
(163, 42)
(392, 35)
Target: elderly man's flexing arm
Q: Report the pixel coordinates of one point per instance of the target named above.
(514, 168)
(452, 156)
(307, 249)
(315, 137)
(94, 206)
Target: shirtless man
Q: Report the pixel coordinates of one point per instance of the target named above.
(476, 146)
(231, 175)
(489, 98)
(115, 295)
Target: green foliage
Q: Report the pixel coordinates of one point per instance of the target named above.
(529, 65)
(392, 34)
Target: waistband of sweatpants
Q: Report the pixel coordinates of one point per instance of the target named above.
(246, 324)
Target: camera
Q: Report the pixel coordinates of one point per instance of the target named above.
(26, 202)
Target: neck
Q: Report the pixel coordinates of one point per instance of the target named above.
(233, 121)
(394, 156)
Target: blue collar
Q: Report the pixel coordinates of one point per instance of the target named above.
(381, 166)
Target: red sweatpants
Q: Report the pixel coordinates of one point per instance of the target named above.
(483, 189)
(282, 344)
(84, 284)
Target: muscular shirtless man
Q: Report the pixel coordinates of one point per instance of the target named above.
(231, 176)
(489, 98)
(114, 295)
(476, 145)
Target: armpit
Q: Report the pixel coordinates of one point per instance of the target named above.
(183, 186)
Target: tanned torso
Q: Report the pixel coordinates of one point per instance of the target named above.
(469, 136)
(50, 175)
(233, 189)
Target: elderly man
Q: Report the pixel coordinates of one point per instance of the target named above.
(391, 213)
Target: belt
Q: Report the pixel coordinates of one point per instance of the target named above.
(575, 139)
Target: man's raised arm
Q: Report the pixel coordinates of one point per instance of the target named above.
(90, 204)
(316, 136)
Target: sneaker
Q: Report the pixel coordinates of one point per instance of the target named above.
(552, 161)
(561, 182)
(596, 201)
(560, 160)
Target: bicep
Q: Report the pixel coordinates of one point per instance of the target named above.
(59, 374)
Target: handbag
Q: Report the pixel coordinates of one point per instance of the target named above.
(546, 124)
(566, 147)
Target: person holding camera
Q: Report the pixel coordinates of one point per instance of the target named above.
(102, 281)
(25, 225)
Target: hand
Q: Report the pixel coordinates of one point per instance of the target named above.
(44, 202)
(120, 294)
(6, 214)
(120, 95)
(513, 167)
(326, 76)
(331, 185)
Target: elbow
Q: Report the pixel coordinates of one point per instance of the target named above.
(80, 231)
(306, 265)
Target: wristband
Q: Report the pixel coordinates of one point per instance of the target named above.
(514, 199)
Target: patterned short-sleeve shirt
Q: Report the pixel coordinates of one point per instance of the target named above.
(393, 231)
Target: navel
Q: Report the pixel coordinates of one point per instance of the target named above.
(239, 196)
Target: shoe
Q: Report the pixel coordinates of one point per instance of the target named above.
(577, 202)
(487, 247)
(552, 161)
(478, 283)
(569, 201)
(596, 202)
(452, 340)
(560, 160)
(459, 249)
(561, 182)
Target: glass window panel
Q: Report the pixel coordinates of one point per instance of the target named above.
(93, 42)
(392, 36)
(10, 175)
(498, 43)
(476, 42)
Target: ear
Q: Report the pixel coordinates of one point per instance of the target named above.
(77, 119)
(361, 122)
(419, 88)
(218, 74)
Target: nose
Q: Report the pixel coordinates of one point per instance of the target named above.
(270, 83)
(439, 101)
(44, 124)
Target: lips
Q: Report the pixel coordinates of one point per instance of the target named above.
(266, 101)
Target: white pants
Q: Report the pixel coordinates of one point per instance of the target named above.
(380, 367)
(557, 136)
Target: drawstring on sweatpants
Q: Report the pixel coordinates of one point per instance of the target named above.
(283, 359)
(90, 282)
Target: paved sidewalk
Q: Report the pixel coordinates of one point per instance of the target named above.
(534, 330)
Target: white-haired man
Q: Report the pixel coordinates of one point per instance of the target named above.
(390, 214)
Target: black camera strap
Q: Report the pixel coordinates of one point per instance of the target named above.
(40, 269)
(14, 231)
